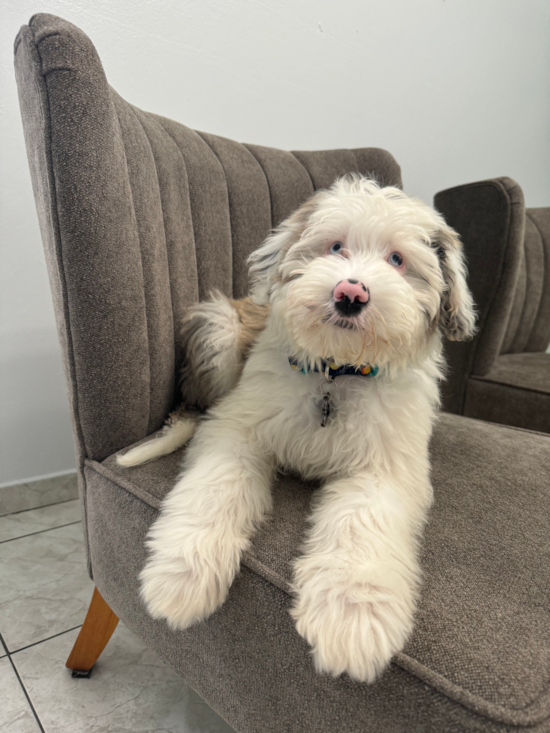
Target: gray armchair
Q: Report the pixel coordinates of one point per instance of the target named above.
(503, 375)
(140, 216)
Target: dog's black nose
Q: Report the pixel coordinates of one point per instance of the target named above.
(350, 297)
(348, 308)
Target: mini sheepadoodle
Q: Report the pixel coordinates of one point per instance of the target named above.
(330, 370)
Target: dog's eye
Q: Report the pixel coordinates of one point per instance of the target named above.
(395, 259)
(336, 248)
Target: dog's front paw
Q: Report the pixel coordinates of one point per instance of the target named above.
(181, 592)
(354, 627)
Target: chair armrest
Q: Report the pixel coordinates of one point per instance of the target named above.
(490, 219)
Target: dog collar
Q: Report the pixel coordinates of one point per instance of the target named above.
(332, 370)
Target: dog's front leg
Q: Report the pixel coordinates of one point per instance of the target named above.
(356, 584)
(204, 525)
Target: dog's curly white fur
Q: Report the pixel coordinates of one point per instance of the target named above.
(357, 581)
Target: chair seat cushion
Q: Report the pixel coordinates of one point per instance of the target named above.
(482, 634)
(516, 391)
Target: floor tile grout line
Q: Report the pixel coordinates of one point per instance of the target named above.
(23, 687)
(40, 531)
(42, 506)
(33, 711)
(36, 643)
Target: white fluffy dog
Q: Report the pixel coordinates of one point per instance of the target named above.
(341, 384)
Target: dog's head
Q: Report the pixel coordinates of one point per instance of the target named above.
(363, 274)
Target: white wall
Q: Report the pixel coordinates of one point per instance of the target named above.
(457, 90)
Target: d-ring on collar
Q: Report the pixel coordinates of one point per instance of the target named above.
(330, 372)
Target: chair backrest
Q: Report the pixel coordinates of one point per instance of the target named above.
(140, 217)
(528, 328)
(507, 249)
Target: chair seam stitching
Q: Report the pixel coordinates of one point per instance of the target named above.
(167, 264)
(479, 701)
(233, 268)
(166, 132)
(140, 252)
(509, 386)
(305, 169)
(267, 181)
(111, 475)
(190, 201)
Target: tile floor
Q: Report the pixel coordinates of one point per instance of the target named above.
(44, 594)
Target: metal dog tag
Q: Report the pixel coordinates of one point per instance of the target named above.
(325, 410)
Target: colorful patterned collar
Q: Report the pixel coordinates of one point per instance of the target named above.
(332, 370)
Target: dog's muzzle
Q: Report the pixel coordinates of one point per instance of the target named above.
(350, 297)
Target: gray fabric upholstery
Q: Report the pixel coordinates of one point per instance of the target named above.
(489, 217)
(247, 661)
(482, 635)
(528, 328)
(141, 216)
(508, 254)
(148, 216)
(516, 391)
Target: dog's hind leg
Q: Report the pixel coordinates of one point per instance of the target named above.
(215, 338)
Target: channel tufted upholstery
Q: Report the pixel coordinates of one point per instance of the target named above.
(167, 213)
(503, 375)
(528, 328)
(140, 217)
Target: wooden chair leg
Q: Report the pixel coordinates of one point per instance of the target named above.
(97, 629)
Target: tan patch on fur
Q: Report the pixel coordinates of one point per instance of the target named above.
(182, 412)
(252, 317)
(266, 259)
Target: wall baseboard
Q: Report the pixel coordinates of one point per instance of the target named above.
(37, 478)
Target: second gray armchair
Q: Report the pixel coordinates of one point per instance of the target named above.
(503, 375)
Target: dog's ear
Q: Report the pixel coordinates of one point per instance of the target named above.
(266, 260)
(457, 317)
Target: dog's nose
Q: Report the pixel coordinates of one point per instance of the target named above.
(350, 297)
